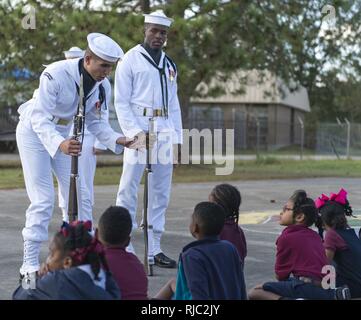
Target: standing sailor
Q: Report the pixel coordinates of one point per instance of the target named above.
(91, 145)
(146, 89)
(43, 136)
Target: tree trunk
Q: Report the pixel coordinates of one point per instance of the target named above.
(184, 100)
(145, 5)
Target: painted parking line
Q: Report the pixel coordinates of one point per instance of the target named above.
(252, 259)
(267, 220)
(268, 244)
(257, 217)
(261, 231)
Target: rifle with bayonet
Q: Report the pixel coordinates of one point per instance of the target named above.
(148, 204)
(78, 134)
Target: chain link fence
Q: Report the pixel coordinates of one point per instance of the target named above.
(342, 139)
(8, 122)
(252, 135)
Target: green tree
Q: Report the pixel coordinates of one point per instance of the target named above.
(209, 38)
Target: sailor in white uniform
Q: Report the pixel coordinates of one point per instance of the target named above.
(43, 136)
(90, 145)
(146, 88)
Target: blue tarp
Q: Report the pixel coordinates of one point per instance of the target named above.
(21, 74)
(17, 73)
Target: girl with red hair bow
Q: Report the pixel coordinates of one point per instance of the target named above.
(74, 270)
(343, 247)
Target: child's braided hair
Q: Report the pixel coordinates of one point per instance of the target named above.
(229, 198)
(305, 205)
(76, 241)
(333, 210)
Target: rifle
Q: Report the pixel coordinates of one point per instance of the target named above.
(78, 133)
(148, 201)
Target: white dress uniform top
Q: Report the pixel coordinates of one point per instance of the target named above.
(138, 92)
(87, 161)
(44, 124)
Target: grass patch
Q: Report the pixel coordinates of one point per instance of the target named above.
(262, 168)
(11, 178)
(261, 160)
(293, 150)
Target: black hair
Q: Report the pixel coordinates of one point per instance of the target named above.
(209, 217)
(305, 205)
(229, 198)
(77, 242)
(115, 225)
(333, 214)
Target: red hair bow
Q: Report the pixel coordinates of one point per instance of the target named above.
(80, 254)
(65, 226)
(340, 197)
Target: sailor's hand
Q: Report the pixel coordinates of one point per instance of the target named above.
(71, 147)
(139, 141)
(124, 141)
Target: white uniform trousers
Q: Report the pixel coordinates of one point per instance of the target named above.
(133, 169)
(86, 167)
(38, 167)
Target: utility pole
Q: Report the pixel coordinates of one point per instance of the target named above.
(302, 136)
(348, 138)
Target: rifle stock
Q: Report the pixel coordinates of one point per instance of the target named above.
(148, 197)
(78, 130)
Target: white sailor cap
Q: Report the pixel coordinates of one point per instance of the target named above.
(104, 47)
(158, 17)
(74, 52)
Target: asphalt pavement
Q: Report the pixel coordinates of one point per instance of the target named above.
(260, 201)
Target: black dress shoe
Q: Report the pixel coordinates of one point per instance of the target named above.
(161, 260)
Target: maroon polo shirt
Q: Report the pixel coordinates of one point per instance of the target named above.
(234, 234)
(300, 252)
(128, 273)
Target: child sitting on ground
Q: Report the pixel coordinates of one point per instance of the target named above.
(299, 253)
(341, 243)
(208, 268)
(114, 228)
(229, 198)
(73, 269)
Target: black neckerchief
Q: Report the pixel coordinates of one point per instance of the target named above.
(163, 81)
(88, 81)
(156, 54)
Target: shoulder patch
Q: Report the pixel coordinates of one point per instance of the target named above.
(48, 75)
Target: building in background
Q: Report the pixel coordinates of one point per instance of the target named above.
(265, 107)
(8, 113)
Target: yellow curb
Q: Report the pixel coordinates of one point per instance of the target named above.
(255, 217)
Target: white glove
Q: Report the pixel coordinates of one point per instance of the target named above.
(139, 141)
